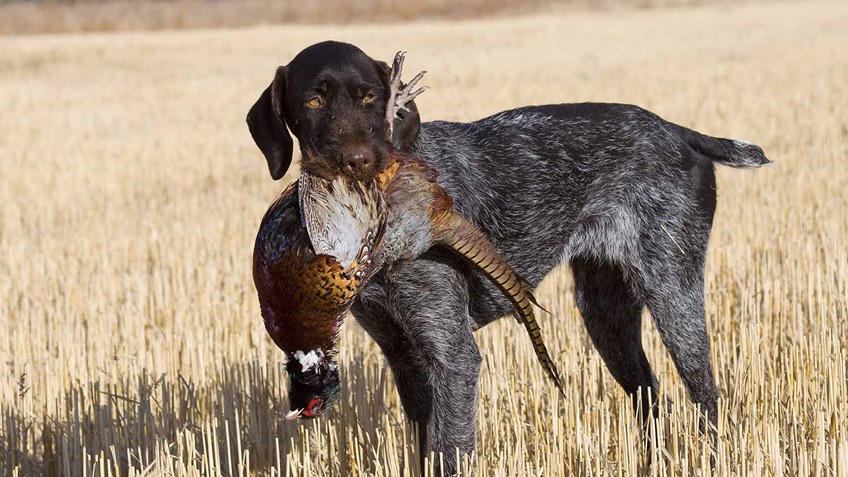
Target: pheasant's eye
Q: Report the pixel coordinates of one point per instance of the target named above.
(314, 407)
(368, 98)
(315, 102)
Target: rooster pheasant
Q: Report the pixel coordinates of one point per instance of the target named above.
(324, 238)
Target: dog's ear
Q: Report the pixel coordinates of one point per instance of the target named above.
(267, 123)
(406, 126)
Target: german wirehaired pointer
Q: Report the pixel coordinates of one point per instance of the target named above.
(623, 196)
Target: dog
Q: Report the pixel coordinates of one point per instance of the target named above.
(623, 196)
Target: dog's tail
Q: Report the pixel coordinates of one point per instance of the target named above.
(729, 152)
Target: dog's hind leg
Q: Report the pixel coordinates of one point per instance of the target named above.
(673, 286)
(678, 311)
(677, 307)
(613, 319)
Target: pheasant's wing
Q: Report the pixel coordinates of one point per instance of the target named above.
(302, 295)
(344, 219)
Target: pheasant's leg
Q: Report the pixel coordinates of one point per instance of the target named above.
(417, 313)
(399, 94)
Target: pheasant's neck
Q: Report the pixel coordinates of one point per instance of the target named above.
(304, 361)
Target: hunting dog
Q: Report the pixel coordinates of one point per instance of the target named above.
(623, 196)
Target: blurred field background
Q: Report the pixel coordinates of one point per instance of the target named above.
(40, 16)
(131, 191)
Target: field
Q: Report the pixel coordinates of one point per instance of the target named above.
(131, 192)
(74, 16)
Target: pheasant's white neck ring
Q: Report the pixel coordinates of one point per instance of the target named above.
(310, 360)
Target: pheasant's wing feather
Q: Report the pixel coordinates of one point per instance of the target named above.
(344, 219)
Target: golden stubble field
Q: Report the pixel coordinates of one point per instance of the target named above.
(131, 191)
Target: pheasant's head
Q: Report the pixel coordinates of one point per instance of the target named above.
(315, 383)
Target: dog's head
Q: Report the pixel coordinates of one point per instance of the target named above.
(332, 97)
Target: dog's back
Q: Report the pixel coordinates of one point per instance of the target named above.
(548, 183)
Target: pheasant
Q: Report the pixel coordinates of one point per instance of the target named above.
(306, 287)
(324, 238)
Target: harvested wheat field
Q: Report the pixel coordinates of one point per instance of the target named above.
(131, 193)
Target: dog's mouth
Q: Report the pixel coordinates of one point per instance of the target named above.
(329, 168)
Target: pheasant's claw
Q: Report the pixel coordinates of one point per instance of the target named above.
(404, 94)
(397, 64)
(413, 81)
(404, 98)
(400, 96)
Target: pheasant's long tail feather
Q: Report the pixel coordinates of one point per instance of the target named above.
(466, 239)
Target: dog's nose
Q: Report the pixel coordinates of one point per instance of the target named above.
(357, 158)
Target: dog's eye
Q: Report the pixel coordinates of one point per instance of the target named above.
(368, 98)
(315, 102)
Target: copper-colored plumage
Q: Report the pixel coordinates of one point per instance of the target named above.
(304, 294)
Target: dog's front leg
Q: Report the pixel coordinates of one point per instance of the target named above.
(418, 315)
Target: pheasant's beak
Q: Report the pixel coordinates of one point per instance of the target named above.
(294, 414)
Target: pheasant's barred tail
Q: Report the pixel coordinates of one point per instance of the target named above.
(467, 240)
